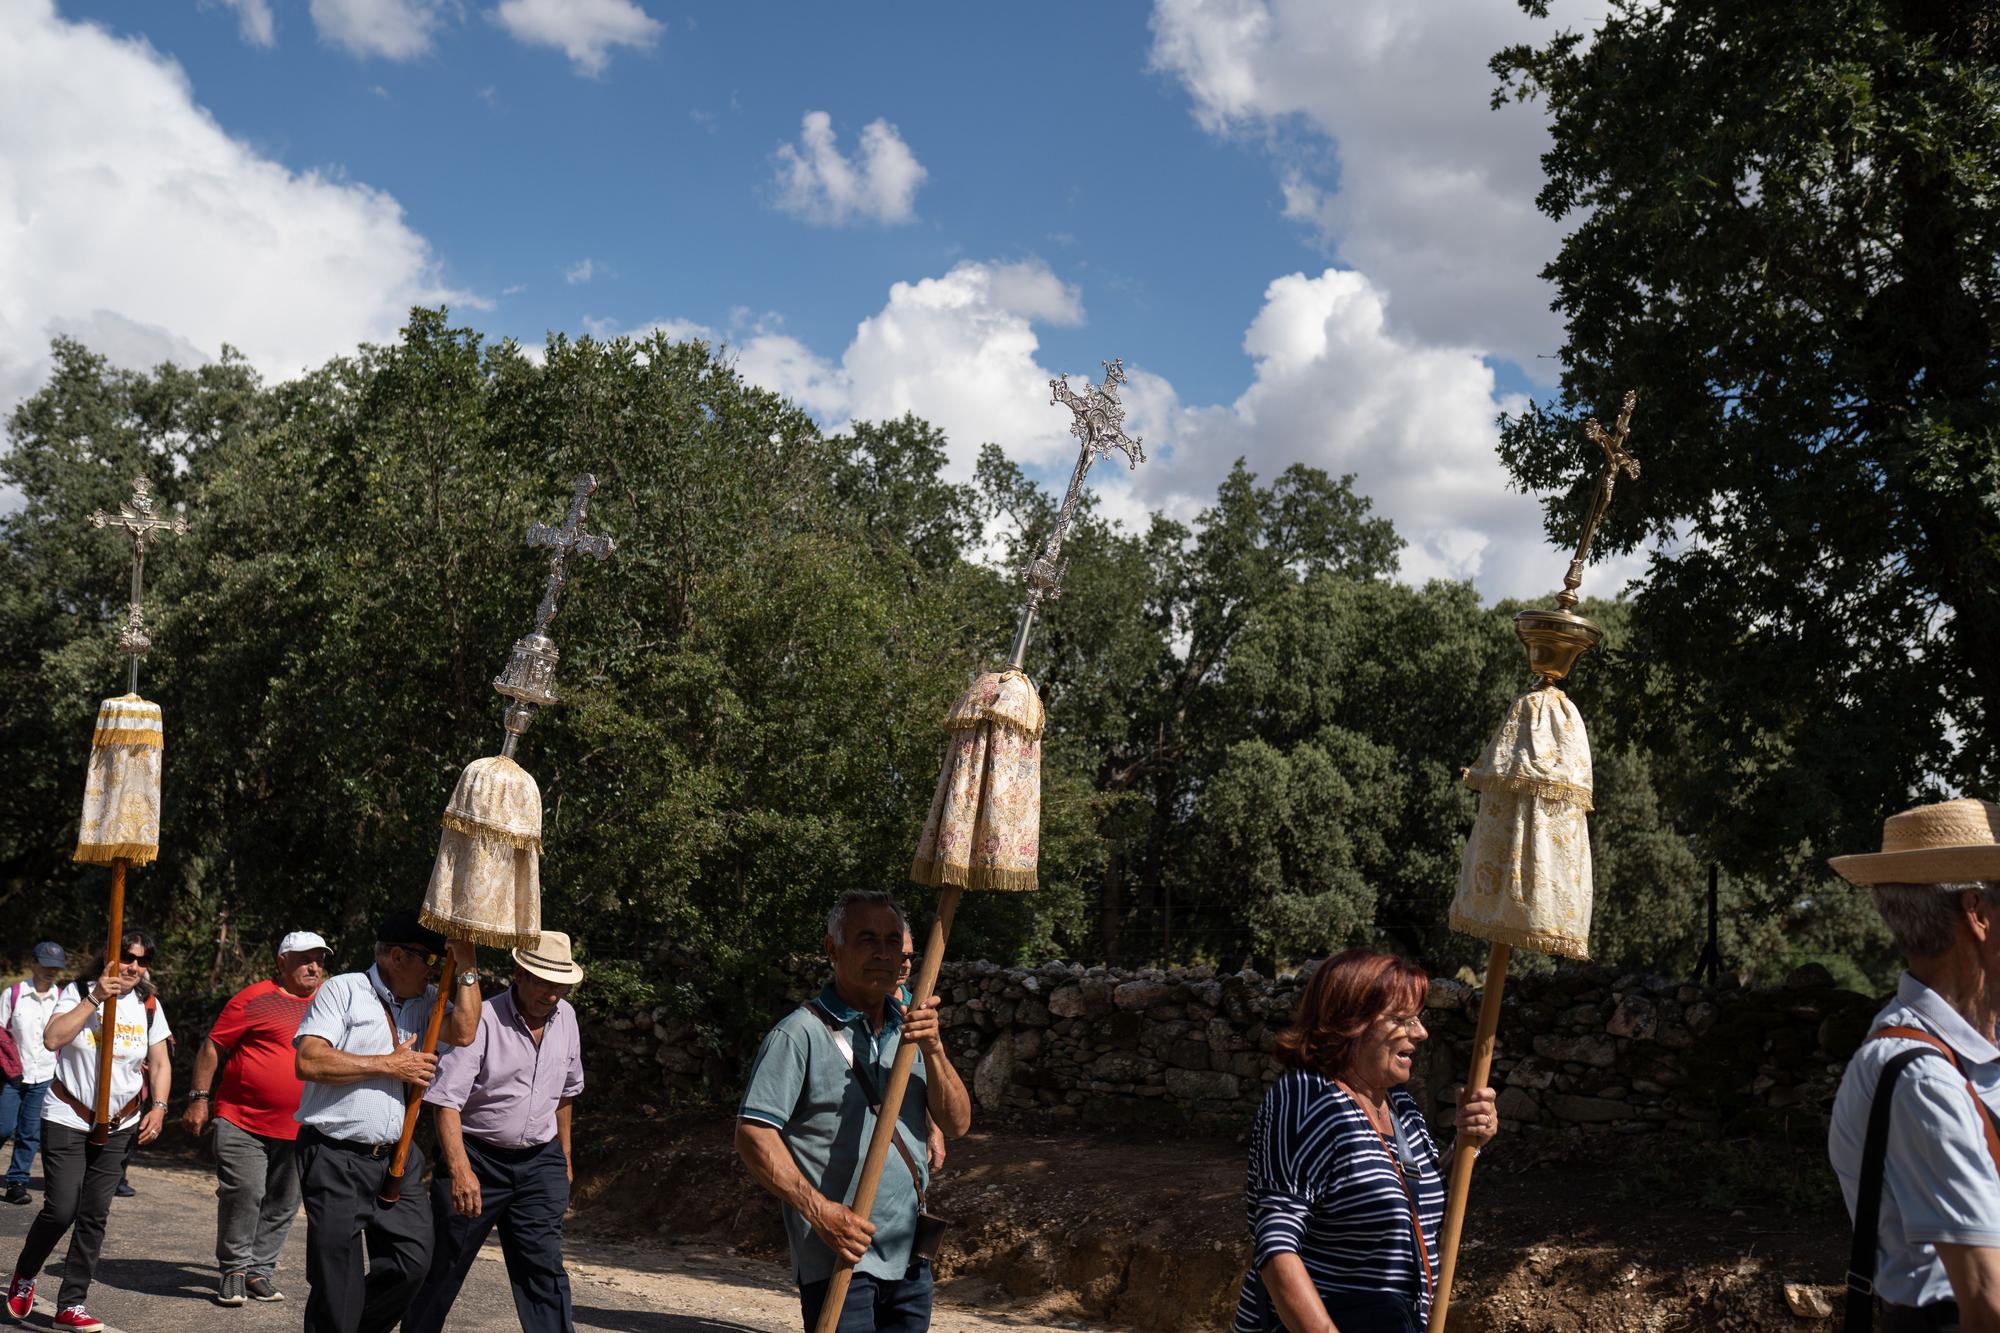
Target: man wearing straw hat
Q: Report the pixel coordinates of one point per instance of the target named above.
(807, 1115)
(357, 1055)
(503, 1120)
(1915, 1137)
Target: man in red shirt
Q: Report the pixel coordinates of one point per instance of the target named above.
(255, 1133)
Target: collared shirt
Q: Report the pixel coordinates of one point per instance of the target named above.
(347, 1012)
(505, 1086)
(26, 1012)
(802, 1085)
(1939, 1183)
(138, 1031)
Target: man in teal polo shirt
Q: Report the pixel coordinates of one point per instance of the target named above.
(806, 1119)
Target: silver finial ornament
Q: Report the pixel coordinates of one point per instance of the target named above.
(137, 518)
(1099, 426)
(528, 680)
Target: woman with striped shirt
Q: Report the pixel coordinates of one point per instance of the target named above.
(1346, 1190)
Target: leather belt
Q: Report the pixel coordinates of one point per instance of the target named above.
(88, 1113)
(357, 1146)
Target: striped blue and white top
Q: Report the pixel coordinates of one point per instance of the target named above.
(1324, 1186)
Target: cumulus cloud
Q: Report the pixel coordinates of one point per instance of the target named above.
(253, 20)
(583, 30)
(819, 184)
(392, 29)
(1434, 192)
(130, 220)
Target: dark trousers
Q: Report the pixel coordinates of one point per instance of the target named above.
(77, 1184)
(1939, 1317)
(525, 1192)
(875, 1304)
(343, 1217)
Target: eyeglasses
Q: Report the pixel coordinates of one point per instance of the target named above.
(909, 960)
(430, 959)
(140, 959)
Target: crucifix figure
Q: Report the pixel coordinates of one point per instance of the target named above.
(1098, 422)
(137, 518)
(528, 679)
(1616, 461)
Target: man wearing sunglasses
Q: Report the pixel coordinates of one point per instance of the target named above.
(357, 1056)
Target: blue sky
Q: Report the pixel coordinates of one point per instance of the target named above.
(1295, 221)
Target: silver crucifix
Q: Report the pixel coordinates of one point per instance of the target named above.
(1099, 426)
(137, 518)
(528, 680)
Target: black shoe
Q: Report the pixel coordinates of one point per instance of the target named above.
(124, 1191)
(17, 1194)
(261, 1288)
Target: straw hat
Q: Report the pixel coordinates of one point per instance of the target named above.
(1932, 844)
(551, 959)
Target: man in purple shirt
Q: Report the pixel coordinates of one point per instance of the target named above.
(503, 1105)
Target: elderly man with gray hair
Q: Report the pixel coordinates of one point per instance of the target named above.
(1915, 1137)
(808, 1113)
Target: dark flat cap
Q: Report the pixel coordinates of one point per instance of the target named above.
(404, 928)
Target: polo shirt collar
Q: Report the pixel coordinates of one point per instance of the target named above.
(1946, 1021)
(829, 997)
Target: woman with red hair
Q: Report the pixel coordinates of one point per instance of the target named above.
(1346, 1190)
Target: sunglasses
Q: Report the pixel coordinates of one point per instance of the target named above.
(430, 959)
(141, 959)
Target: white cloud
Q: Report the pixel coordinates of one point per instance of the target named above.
(129, 219)
(392, 29)
(581, 271)
(1435, 190)
(584, 30)
(819, 184)
(253, 20)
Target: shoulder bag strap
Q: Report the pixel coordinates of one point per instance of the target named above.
(838, 1031)
(395, 1033)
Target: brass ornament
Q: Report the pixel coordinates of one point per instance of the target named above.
(1556, 637)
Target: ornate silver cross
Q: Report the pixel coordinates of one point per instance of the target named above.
(137, 518)
(1098, 422)
(528, 679)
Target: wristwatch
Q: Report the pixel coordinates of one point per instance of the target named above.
(469, 977)
(198, 1096)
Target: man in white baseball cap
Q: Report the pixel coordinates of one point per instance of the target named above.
(255, 1133)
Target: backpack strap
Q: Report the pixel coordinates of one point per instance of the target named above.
(1865, 1251)
(838, 1032)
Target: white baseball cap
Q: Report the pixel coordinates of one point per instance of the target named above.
(299, 941)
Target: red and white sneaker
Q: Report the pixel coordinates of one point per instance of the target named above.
(78, 1318)
(20, 1296)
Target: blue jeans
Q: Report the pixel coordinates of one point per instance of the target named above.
(876, 1304)
(21, 1119)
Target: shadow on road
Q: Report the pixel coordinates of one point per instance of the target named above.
(155, 1277)
(637, 1321)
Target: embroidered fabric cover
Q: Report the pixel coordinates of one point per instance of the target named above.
(985, 825)
(1525, 880)
(121, 793)
(486, 885)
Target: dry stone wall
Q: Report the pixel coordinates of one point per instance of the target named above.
(1581, 1054)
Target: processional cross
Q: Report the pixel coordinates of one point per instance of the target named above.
(137, 518)
(1616, 461)
(528, 679)
(1098, 422)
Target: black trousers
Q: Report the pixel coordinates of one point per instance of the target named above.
(525, 1192)
(343, 1217)
(78, 1183)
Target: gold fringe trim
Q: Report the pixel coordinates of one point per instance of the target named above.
(104, 853)
(944, 874)
(460, 930)
(1541, 941)
(149, 737)
(472, 828)
(1553, 789)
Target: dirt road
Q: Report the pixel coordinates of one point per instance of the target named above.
(158, 1274)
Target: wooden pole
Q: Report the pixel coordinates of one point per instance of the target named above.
(892, 1105)
(107, 1023)
(1461, 1159)
(413, 1100)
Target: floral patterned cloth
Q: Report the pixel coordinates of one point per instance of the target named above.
(985, 825)
(1525, 880)
(121, 793)
(486, 884)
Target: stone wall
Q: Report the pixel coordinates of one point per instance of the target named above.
(1580, 1054)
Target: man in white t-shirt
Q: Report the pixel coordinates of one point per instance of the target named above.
(1927, 1205)
(25, 1010)
(79, 1176)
